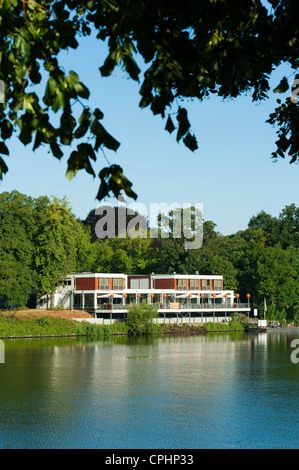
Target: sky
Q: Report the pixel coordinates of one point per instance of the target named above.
(231, 174)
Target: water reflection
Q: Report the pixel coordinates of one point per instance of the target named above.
(170, 392)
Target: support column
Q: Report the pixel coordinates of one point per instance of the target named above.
(95, 304)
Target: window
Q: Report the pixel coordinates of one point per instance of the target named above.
(217, 284)
(194, 284)
(206, 284)
(117, 283)
(104, 283)
(182, 284)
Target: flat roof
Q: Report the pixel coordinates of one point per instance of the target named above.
(186, 276)
(154, 276)
(97, 275)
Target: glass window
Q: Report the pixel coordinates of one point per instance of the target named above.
(88, 300)
(117, 283)
(182, 284)
(104, 283)
(194, 284)
(217, 284)
(206, 284)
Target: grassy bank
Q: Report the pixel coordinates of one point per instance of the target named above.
(25, 327)
(232, 326)
(14, 327)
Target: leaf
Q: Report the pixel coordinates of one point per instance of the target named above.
(82, 90)
(85, 116)
(38, 140)
(3, 149)
(190, 142)
(25, 136)
(169, 125)
(6, 129)
(59, 101)
(103, 137)
(108, 67)
(50, 90)
(56, 150)
(282, 87)
(184, 124)
(3, 168)
(114, 180)
(131, 66)
(98, 114)
(78, 161)
(81, 130)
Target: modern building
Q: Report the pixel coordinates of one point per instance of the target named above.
(109, 295)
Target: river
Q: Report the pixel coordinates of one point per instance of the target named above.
(223, 390)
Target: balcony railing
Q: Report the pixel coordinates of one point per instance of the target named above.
(169, 308)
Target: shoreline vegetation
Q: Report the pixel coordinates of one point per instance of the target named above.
(51, 323)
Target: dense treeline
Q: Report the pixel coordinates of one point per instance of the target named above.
(41, 241)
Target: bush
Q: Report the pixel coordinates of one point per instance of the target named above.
(43, 321)
(140, 319)
(233, 325)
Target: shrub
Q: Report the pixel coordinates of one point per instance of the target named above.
(43, 321)
(140, 319)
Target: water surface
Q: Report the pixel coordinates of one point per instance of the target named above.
(220, 390)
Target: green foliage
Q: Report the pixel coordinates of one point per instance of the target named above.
(187, 51)
(41, 242)
(140, 319)
(43, 321)
(214, 326)
(49, 326)
(43, 326)
(128, 255)
(262, 260)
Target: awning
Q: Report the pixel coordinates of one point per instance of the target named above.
(106, 296)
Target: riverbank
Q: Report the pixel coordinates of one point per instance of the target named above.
(51, 324)
(50, 312)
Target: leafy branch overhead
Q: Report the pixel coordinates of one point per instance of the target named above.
(191, 51)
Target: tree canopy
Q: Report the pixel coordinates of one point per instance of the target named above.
(188, 50)
(41, 241)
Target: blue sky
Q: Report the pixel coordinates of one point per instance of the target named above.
(231, 174)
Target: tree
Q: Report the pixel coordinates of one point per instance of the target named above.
(16, 247)
(118, 219)
(55, 242)
(127, 255)
(268, 272)
(140, 319)
(187, 50)
(41, 241)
